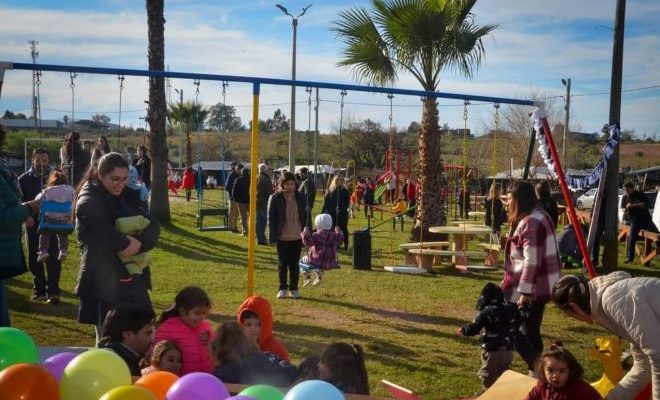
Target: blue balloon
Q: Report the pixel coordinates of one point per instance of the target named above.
(314, 390)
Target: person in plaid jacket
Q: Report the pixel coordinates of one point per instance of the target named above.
(531, 265)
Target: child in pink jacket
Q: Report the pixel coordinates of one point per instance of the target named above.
(323, 245)
(185, 324)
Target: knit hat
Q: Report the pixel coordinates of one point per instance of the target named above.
(323, 221)
(490, 294)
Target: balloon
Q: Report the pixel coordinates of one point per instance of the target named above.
(198, 386)
(158, 383)
(91, 374)
(263, 392)
(55, 364)
(16, 347)
(317, 390)
(241, 397)
(128, 392)
(27, 382)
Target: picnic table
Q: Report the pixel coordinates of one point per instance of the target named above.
(459, 237)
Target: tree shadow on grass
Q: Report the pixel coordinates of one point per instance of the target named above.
(204, 241)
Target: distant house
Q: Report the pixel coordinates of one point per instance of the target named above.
(584, 136)
(22, 124)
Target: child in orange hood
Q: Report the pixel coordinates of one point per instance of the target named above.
(256, 317)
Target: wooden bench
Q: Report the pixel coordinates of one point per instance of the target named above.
(425, 257)
(410, 259)
(624, 230)
(651, 243)
(223, 213)
(492, 254)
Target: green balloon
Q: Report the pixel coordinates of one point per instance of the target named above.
(16, 347)
(263, 392)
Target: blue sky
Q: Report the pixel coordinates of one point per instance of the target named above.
(536, 44)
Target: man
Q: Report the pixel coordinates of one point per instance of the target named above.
(241, 195)
(128, 330)
(264, 190)
(45, 284)
(637, 207)
(229, 187)
(308, 188)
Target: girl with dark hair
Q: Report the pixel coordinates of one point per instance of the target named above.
(531, 266)
(143, 164)
(342, 364)
(165, 356)
(102, 148)
(286, 220)
(103, 279)
(495, 212)
(560, 377)
(629, 308)
(185, 324)
(75, 160)
(336, 204)
(57, 190)
(544, 197)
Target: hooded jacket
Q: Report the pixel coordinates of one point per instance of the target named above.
(630, 308)
(267, 342)
(194, 343)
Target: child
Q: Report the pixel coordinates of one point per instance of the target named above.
(134, 226)
(399, 207)
(188, 182)
(560, 377)
(256, 317)
(57, 190)
(185, 324)
(165, 356)
(323, 245)
(498, 323)
(342, 364)
(241, 362)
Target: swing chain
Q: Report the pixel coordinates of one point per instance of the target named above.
(38, 76)
(497, 115)
(224, 92)
(73, 76)
(121, 82)
(390, 96)
(465, 110)
(308, 89)
(196, 83)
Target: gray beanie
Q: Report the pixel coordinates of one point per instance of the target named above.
(323, 221)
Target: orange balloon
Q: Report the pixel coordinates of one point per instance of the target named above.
(158, 383)
(28, 382)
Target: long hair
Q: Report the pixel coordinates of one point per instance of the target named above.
(188, 298)
(492, 191)
(336, 183)
(558, 352)
(572, 289)
(157, 353)
(346, 364)
(523, 201)
(106, 145)
(231, 344)
(105, 165)
(57, 178)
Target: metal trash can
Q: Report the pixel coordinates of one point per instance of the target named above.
(362, 249)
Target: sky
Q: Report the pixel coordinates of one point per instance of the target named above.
(536, 44)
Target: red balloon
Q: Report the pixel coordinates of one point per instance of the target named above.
(158, 383)
(28, 382)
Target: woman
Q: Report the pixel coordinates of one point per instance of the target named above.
(336, 204)
(74, 159)
(286, 220)
(143, 164)
(102, 148)
(531, 266)
(495, 213)
(627, 307)
(542, 190)
(13, 214)
(103, 280)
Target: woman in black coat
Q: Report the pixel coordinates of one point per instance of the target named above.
(336, 204)
(143, 164)
(103, 280)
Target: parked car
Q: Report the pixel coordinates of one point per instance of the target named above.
(586, 201)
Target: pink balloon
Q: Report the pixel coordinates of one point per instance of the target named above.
(199, 386)
(56, 364)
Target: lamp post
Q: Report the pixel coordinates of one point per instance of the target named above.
(567, 108)
(292, 128)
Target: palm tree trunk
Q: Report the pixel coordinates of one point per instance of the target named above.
(160, 206)
(430, 210)
(189, 157)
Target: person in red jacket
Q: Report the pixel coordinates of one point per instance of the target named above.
(188, 182)
(560, 377)
(256, 317)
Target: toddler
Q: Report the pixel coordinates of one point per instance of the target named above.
(165, 356)
(134, 226)
(256, 317)
(560, 377)
(57, 190)
(185, 324)
(498, 322)
(342, 365)
(323, 245)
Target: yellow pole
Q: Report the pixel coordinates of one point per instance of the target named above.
(252, 229)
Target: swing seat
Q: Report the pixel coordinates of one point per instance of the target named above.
(47, 225)
(223, 213)
(307, 267)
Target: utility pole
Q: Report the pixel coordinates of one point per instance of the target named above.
(180, 93)
(611, 244)
(567, 108)
(34, 53)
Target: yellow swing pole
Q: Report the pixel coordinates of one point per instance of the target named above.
(252, 227)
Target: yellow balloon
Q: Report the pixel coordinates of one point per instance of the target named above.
(128, 393)
(92, 374)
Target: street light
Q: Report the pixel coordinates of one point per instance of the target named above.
(292, 128)
(567, 108)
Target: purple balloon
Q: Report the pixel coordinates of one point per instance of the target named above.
(56, 364)
(198, 386)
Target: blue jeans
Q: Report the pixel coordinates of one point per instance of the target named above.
(635, 227)
(4, 308)
(262, 217)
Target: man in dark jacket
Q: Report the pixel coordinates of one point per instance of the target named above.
(264, 190)
(45, 284)
(229, 187)
(637, 206)
(241, 195)
(308, 188)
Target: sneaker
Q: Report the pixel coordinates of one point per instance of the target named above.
(55, 300)
(38, 297)
(317, 282)
(62, 255)
(41, 257)
(294, 294)
(281, 294)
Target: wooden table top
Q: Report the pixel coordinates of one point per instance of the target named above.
(461, 229)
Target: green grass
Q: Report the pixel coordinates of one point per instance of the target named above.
(406, 323)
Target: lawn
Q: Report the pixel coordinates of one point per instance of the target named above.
(405, 323)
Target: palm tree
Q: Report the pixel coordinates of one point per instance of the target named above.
(420, 37)
(191, 116)
(160, 206)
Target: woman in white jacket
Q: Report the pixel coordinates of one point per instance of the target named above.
(629, 308)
